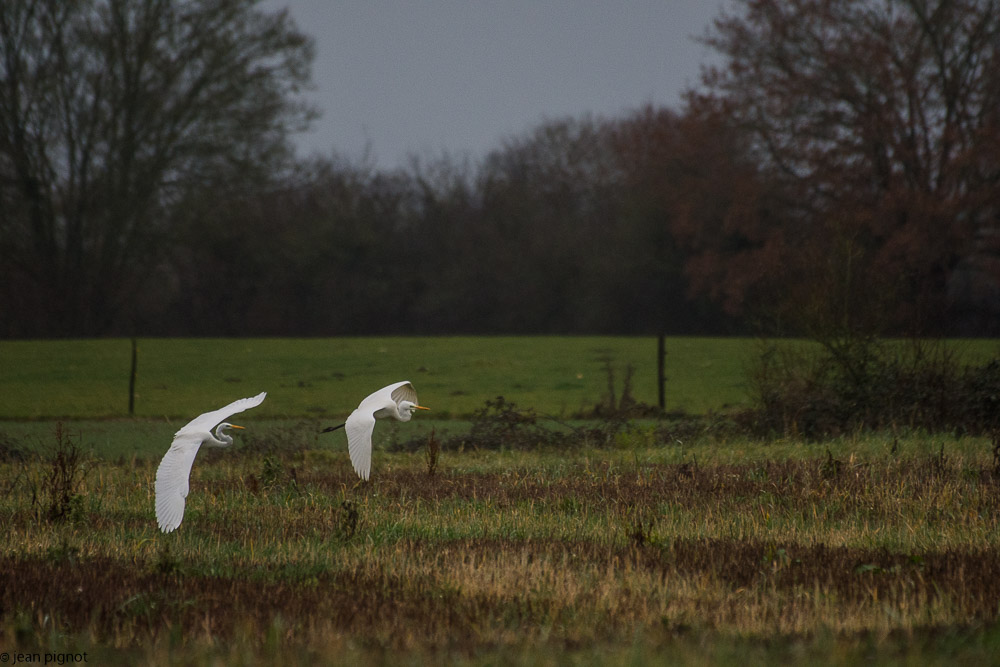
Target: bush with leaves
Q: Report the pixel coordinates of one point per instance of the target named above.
(871, 384)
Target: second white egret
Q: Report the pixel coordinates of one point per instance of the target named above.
(175, 469)
(398, 401)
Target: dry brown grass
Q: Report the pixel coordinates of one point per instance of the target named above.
(579, 553)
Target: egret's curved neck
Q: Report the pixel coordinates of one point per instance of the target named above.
(220, 439)
(403, 411)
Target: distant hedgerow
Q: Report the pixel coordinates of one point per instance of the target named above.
(871, 385)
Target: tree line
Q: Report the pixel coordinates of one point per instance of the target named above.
(838, 172)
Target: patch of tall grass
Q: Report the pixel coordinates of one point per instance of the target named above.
(860, 546)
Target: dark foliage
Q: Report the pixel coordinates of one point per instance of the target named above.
(872, 131)
(620, 406)
(54, 486)
(810, 186)
(432, 451)
(865, 384)
(113, 116)
(501, 424)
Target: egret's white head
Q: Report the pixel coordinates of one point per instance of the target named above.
(407, 408)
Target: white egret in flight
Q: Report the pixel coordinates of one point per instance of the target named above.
(175, 468)
(398, 401)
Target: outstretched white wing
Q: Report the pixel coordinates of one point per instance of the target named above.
(379, 399)
(172, 479)
(403, 391)
(174, 472)
(205, 422)
(359, 427)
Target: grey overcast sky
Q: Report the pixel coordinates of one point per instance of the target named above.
(400, 77)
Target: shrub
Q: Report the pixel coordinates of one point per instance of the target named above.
(54, 485)
(870, 384)
(623, 406)
(500, 423)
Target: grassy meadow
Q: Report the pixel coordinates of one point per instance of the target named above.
(656, 543)
(327, 377)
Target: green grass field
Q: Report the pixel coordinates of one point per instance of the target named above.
(652, 546)
(327, 377)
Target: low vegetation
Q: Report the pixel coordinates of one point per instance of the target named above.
(854, 383)
(524, 534)
(633, 549)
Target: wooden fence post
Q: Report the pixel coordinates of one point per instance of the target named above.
(661, 380)
(131, 379)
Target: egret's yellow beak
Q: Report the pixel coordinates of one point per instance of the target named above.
(420, 407)
(242, 428)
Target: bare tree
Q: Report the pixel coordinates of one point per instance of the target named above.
(110, 112)
(882, 120)
(693, 185)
